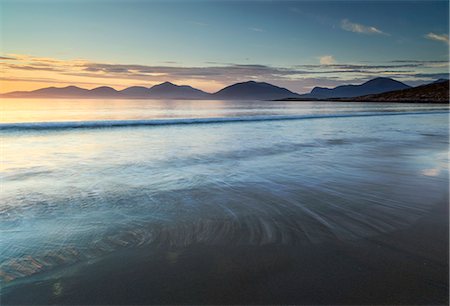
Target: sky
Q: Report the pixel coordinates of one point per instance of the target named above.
(212, 44)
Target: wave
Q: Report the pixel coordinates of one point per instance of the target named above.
(190, 121)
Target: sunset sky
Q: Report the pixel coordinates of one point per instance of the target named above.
(211, 44)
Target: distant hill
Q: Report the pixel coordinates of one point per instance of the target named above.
(165, 90)
(250, 90)
(439, 81)
(247, 90)
(103, 92)
(254, 90)
(168, 90)
(135, 92)
(52, 92)
(66, 92)
(374, 86)
(434, 92)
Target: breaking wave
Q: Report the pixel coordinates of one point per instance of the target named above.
(187, 121)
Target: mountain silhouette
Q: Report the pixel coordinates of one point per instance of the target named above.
(249, 90)
(254, 90)
(53, 92)
(165, 90)
(104, 91)
(434, 92)
(169, 90)
(135, 92)
(374, 86)
(439, 81)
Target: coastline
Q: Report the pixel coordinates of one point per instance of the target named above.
(409, 266)
(364, 223)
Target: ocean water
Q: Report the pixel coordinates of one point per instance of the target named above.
(223, 202)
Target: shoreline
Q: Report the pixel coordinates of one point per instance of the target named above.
(393, 268)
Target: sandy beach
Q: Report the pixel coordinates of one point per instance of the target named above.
(293, 212)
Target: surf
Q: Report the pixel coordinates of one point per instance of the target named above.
(58, 125)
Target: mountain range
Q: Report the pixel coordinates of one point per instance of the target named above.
(435, 92)
(374, 86)
(254, 91)
(249, 90)
(165, 90)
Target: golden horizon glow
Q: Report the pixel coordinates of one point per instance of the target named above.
(26, 73)
(19, 72)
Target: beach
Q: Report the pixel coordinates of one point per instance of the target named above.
(328, 207)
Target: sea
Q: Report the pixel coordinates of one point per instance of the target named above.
(223, 202)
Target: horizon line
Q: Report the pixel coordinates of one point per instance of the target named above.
(179, 85)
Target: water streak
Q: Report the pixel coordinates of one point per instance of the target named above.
(179, 121)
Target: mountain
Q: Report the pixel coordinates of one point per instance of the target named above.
(49, 92)
(104, 92)
(165, 90)
(434, 92)
(439, 81)
(374, 86)
(437, 91)
(168, 90)
(135, 92)
(66, 92)
(247, 90)
(254, 90)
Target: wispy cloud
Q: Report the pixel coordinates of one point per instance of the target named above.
(327, 60)
(367, 67)
(438, 37)
(434, 76)
(347, 25)
(214, 75)
(53, 81)
(418, 61)
(255, 29)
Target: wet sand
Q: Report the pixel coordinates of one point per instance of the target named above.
(409, 266)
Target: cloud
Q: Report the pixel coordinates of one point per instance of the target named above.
(32, 68)
(256, 29)
(327, 60)
(49, 81)
(438, 37)
(418, 61)
(6, 58)
(214, 75)
(347, 25)
(362, 67)
(434, 76)
(431, 172)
